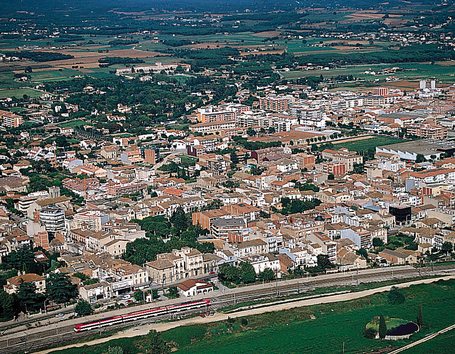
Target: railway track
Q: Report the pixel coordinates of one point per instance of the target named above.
(42, 337)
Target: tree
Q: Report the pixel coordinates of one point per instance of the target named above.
(247, 273)
(420, 158)
(228, 273)
(377, 242)
(382, 327)
(59, 288)
(6, 306)
(155, 294)
(331, 177)
(179, 220)
(24, 260)
(266, 275)
(447, 247)
(324, 261)
(251, 132)
(363, 252)
(153, 343)
(395, 296)
(29, 299)
(83, 308)
(173, 292)
(420, 317)
(138, 295)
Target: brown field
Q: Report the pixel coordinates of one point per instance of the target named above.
(206, 45)
(348, 42)
(265, 52)
(446, 63)
(354, 49)
(89, 59)
(267, 34)
(403, 84)
(365, 15)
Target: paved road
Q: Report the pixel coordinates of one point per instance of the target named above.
(144, 329)
(423, 340)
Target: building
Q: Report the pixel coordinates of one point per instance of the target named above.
(212, 128)
(428, 131)
(10, 120)
(13, 284)
(411, 149)
(399, 256)
(344, 156)
(176, 265)
(223, 227)
(275, 103)
(52, 218)
(95, 292)
(193, 287)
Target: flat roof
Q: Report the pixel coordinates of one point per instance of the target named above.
(424, 147)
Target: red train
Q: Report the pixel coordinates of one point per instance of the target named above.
(139, 315)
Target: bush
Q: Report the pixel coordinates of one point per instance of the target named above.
(395, 296)
(83, 308)
(370, 333)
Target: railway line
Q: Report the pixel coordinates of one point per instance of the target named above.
(59, 333)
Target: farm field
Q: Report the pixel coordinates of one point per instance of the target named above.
(53, 75)
(372, 143)
(19, 92)
(412, 71)
(300, 330)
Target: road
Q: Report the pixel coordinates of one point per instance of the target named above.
(39, 335)
(144, 329)
(423, 340)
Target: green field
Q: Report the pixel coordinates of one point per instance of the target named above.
(372, 143)
(73, 124)
(314, 329)
(411, 71)
(53, 75)
(441, 344)
(19, 92)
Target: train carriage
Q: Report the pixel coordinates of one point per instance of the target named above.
(138, 315)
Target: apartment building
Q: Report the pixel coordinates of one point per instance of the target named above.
(176, 265)
(10, 120)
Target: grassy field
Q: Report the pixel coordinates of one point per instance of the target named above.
(372, 143)
(53, 75)
(19, 92)
(441, 344)
(73, 124)
(307, 329)
(411, 71)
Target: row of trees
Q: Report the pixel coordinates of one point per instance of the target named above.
(243, 274)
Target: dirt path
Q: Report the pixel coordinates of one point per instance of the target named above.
(160, 327)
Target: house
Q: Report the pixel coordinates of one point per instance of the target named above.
(94, 292)
(398, 256)
(13, 284)
(193, 287)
